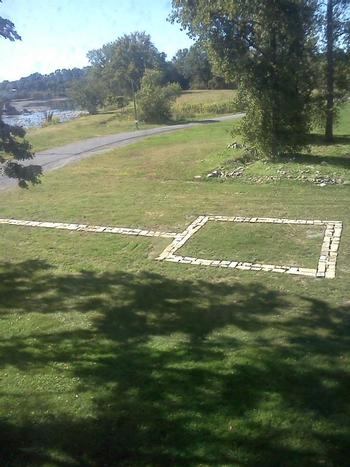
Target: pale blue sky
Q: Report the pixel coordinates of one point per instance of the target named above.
(59, 33)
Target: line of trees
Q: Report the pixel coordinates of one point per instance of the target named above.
(38, 86)
(189, 67)
(116, 71)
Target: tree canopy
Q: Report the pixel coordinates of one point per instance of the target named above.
(7, 29)
(265, 46)
(125, 60)
(194, 65)
(155, 97)
(333, 84)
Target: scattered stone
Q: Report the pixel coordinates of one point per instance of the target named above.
(215, 173)
(229, 174)
(234, 145)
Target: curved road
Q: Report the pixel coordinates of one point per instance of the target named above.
(55, 158)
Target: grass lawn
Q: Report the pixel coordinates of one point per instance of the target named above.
(200, 96)
(110, 358)
(281, 245)
(83, 127)
(201, 104)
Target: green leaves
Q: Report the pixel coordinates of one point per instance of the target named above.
(14, 148)
(126, 59)
(264, 47)
(154, 99)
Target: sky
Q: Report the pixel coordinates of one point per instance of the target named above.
(57, 34)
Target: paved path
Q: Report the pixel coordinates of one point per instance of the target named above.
(55, 158)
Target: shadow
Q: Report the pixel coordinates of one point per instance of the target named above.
(318, 159)
(341, 159)
(165, 372)
(319, 140)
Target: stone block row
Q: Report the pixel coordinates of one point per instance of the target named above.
(329, 250)
(273, 220)
(90, 228)
(245, 266)
(181, 238)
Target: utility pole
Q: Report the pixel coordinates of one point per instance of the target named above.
(135, 108)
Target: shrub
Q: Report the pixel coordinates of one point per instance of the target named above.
(154, 100)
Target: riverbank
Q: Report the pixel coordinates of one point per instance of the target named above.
(32, 113)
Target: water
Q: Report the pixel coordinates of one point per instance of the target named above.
(64, 109)
(36, 119)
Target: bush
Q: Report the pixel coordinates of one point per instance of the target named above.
(50, 119)
(88, 94)
(154, 100)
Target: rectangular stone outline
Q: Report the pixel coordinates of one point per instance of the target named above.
(325, 268)
(326, 263)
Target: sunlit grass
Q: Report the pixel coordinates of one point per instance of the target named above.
(276, 244)
(109, 357)
(204, 96)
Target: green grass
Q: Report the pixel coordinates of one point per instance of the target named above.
(105, 123)
(83, 127)
(204, 103)
(204, 96)
(281, 245)
(109, 357)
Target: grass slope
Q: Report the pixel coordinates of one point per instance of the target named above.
(190, 105)
(111, 358)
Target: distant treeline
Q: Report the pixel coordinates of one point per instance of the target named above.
(189, 67)
(38, 86)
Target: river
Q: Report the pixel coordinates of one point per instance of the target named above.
(32, 113)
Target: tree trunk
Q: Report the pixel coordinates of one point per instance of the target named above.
(330, 73)
(274, 109)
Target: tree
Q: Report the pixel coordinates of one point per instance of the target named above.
(125, 61)
(89, 93)
(264, 46)
(7, 29)
(194, 65)
(154, 98)
(13, 146)
(334, 84)
(38, 86)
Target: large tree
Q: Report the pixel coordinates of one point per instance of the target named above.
(123, 62)
(90, 93)
(13, 146)
(334, 82)
(264, 46)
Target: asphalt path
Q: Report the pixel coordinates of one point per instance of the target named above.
(55, 158)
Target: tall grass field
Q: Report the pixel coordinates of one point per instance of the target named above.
(109, 357)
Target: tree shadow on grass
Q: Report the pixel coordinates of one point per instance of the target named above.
(174, 373)
(319, 140)
(341, 160)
